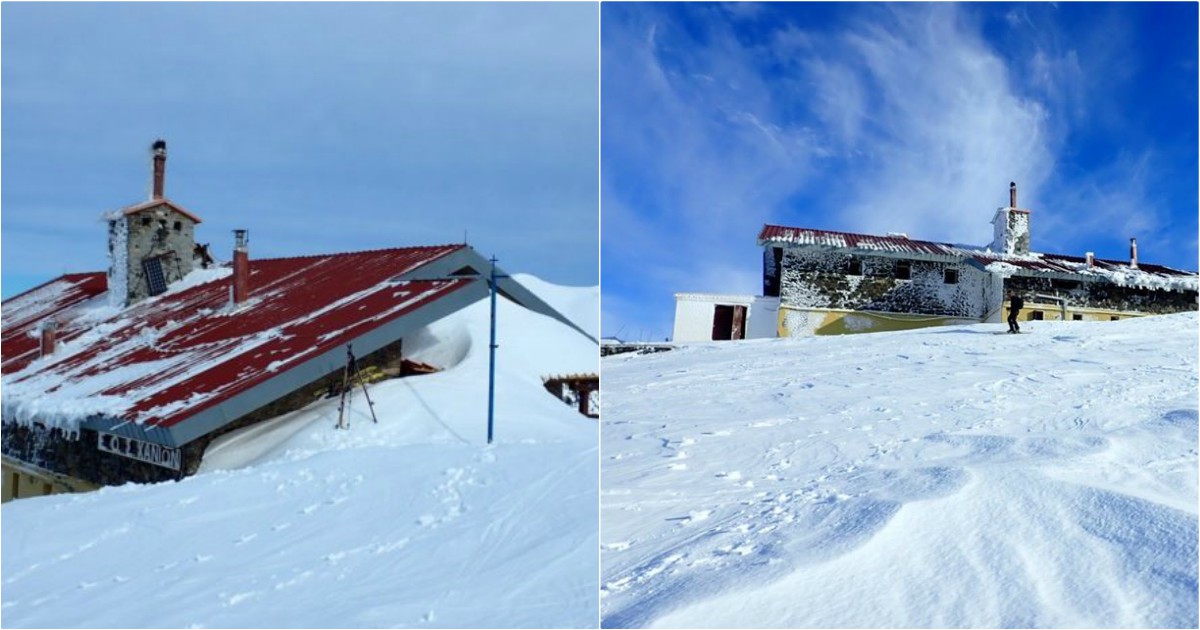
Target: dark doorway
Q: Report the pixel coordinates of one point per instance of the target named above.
(729, 322)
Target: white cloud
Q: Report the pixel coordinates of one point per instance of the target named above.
(943, 130)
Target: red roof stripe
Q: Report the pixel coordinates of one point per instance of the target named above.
(181, 352)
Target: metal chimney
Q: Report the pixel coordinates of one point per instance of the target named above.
(159, 149)
(1133, 253)
(1091, 260)
(241, 267)
(1012, 194)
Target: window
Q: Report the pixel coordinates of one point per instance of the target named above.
(903, 270)
(1064, 284)
(1076, 317)
(950, 276)
(1114, 318)
(155, 279)
(1037, 316)
(178, 226)
(854, 268)
(145, 220)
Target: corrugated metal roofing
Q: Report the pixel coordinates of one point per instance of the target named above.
(154, 203)
(1034, 262)
(182, 352)
(21, 313)
(894, 244)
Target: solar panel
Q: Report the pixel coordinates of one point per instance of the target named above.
(154, 274)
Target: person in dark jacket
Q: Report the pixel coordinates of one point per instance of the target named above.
(1015, 304)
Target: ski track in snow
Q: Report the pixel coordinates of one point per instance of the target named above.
(942, 477)
(412, 522)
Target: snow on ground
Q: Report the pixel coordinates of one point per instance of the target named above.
(578, 306)
(946, 477)
(413, 522)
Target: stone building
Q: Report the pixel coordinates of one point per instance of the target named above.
(100, 396)
(825, 282)
(150, 244)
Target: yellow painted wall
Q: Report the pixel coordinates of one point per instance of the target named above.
(1052, 312)
(843, 322)
(23, 481)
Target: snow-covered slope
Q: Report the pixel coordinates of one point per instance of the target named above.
(410, 522)
(577, 304)
(947, 477)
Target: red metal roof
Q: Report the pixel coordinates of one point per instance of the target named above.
(897, 244)
(1035, 262)
(171, 356)
(154, 203)
(22, 313)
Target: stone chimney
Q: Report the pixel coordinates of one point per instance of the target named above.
(241, 267)
(1010, 227)
(159, 148)
(1133, 253)
(1091, 260)
(49, 337)
(150, 244)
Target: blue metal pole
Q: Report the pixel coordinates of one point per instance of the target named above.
(492, 358)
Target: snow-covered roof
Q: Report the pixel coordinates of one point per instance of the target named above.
(1116, 271)
(154, 203)
(158, 364)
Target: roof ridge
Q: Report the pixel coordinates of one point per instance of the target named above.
(363, 251)
(976, 250)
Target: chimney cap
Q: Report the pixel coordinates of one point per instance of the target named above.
(159, 146)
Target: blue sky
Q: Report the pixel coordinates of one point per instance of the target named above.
(318, 127)
(717, 118)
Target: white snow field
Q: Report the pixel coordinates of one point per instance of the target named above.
(412, 522)
(946, 477)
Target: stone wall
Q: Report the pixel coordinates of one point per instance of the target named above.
(819, 278)
(1104, 295)
(151, 232)
(76, 455)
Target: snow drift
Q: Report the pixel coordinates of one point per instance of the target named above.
(413, 521)
(946, 477)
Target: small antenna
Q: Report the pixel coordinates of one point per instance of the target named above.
(464, 236)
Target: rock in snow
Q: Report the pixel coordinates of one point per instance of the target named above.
(946, 477)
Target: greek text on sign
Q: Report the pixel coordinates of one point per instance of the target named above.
(140, 450)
